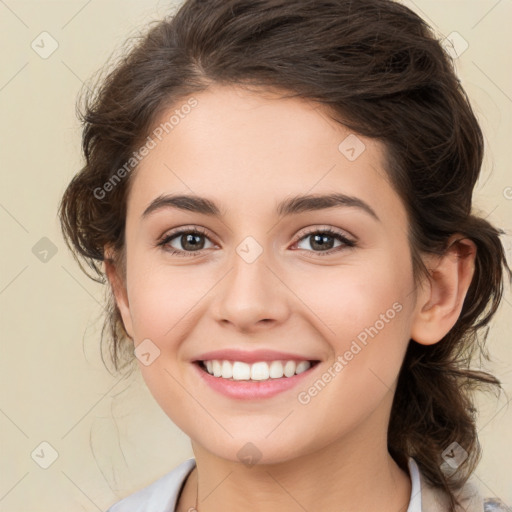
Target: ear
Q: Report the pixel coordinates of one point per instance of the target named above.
(118, 286)
(440, 301)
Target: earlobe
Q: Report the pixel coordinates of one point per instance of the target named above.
(119, 291)
(441, 299)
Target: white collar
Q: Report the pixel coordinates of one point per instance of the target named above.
(415, 499)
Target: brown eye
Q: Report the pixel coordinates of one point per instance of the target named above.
(185, 241)
(323, 241)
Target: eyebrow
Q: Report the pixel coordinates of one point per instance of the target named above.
(293, 205)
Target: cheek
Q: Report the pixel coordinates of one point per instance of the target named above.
(161, 296)
(369, 321)
(365, 314)
(348, 299)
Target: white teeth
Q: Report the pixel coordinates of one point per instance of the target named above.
(261, 370)
(241, 371)
(217, 369)
(227, 370)
(302, 367)
(276, 370)
(289, 368)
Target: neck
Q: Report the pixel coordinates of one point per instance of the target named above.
(355, 474)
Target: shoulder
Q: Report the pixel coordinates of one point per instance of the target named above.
(159, 496)
(469, 497)
(495, 505)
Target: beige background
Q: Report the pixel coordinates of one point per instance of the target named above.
(109, 435)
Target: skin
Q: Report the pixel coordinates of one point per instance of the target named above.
(247, 151)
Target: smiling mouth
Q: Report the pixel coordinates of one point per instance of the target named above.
(257, 372)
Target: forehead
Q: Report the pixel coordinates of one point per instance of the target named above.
(254, 148)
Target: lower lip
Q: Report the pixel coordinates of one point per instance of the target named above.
(252, 390)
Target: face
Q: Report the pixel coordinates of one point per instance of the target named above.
(329, 282)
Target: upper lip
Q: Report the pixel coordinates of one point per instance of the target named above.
(251, 356)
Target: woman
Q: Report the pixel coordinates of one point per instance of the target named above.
(280, 192)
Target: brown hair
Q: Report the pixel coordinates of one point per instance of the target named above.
(378, 69)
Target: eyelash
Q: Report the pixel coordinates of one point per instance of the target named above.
(347, 243)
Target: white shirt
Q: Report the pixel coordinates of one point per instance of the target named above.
(162, 494)
(415, 499)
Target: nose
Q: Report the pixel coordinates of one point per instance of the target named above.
(252, 296)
